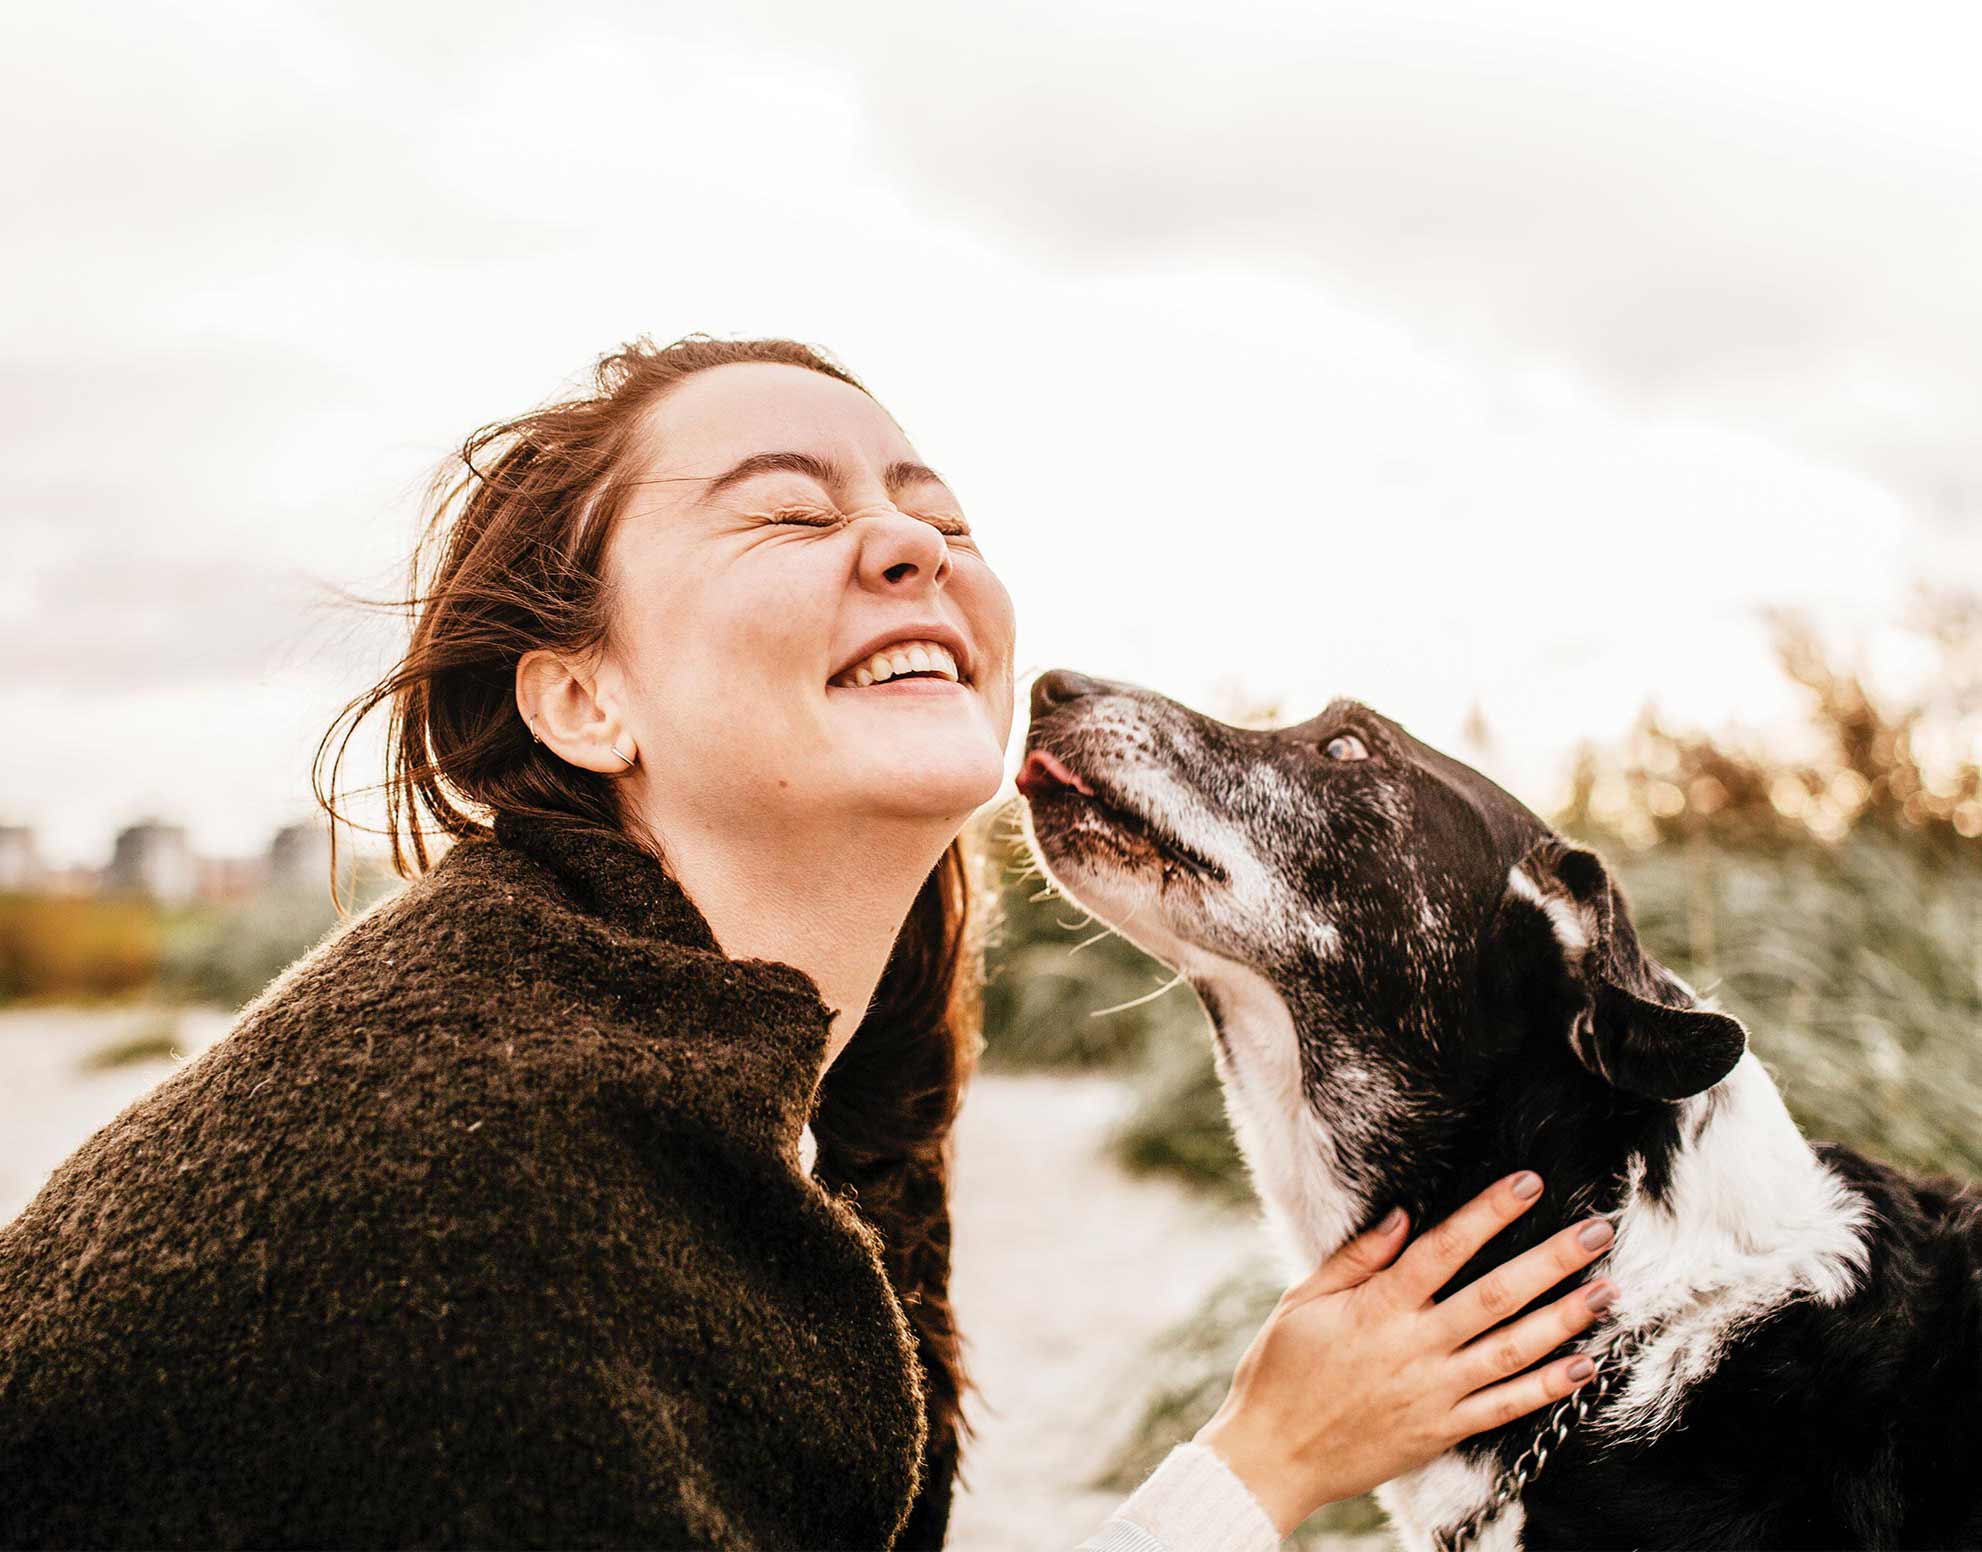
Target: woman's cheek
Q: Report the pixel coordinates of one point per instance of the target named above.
(999, 659)
(991, 608)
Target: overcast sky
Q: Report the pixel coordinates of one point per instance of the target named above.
(1433, 354)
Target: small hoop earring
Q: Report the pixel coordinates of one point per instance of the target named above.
(539, 738)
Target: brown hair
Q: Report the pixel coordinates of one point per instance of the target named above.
(510, 561)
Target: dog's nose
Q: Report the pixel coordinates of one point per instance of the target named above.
(1060, 685)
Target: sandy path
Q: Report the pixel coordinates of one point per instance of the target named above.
(1064, 1268)
(50, 1102)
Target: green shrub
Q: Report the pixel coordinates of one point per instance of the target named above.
(226, 953)
(153, 1038)
(1061, 991)
(1180, 1127)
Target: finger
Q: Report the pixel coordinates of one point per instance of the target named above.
(1488, 1300)
(1435, 1255)
(1500, 1404)
(1364, 1256)
(1534, 1336)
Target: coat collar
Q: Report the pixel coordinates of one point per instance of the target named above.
(610, 876)
(613, 879)
(617, 881)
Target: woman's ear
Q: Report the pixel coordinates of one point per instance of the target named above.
(560, 705)
(1561, 952)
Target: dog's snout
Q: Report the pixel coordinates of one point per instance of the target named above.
(1059, 685)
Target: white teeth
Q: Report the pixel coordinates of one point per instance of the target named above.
(904, 657)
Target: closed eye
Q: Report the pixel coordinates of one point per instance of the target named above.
(807, 517)
(814, 517)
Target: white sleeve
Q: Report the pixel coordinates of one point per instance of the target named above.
(1190, 1503)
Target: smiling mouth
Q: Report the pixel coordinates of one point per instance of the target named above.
(1049, 784)
(901, 662)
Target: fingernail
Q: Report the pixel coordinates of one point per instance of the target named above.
(1599, 1297)
(1582, 1369)
(1392, 1221)
(1527, 1184)
(1595, 1235)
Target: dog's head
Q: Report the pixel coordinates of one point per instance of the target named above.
(1427, 933)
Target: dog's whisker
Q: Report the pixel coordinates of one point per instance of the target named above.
(1136, 1002)
(1119, 929)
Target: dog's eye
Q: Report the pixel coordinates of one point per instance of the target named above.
(1345, 746)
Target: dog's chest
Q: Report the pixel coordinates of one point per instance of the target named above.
(1440, 1495)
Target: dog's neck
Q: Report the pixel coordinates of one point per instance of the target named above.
(1722, 1209)
(1301, 1164)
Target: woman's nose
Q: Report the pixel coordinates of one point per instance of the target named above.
(900, 552)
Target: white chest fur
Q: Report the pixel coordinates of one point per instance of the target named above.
(1752, 1218)
(1441, 1493)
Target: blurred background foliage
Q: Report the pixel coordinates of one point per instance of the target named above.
(78, 948)
(1830, 898)
(119, 947)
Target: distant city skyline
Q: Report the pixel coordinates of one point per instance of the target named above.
(158, 858)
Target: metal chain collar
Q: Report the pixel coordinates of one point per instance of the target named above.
(1570, 1410)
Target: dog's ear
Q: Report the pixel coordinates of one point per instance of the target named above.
(1562, 951)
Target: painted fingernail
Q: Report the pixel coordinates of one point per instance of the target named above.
(1582, 1369)
(1392, 1220)
(1600, 1296)
(1595, 1235)
(1527, 1184)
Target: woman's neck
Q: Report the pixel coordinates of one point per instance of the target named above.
(828, 900)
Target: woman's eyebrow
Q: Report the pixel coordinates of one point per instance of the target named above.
(824, 470)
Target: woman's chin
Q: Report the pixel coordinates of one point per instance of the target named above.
(936, 779)
(919, 749)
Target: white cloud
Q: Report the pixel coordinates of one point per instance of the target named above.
(1384, 354)
(1765, 214)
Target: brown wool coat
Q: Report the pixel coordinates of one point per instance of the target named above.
(484, 1226)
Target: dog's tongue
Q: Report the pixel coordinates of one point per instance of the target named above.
(1042, 773)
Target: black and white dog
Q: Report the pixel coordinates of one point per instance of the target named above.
(1415, 988)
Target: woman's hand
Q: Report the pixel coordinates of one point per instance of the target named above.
(1357, 1376)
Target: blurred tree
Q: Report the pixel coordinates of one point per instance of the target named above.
(1912, 770)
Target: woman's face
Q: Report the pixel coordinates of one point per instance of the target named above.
(784, 533)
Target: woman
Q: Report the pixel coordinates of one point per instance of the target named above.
(593, 1189)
